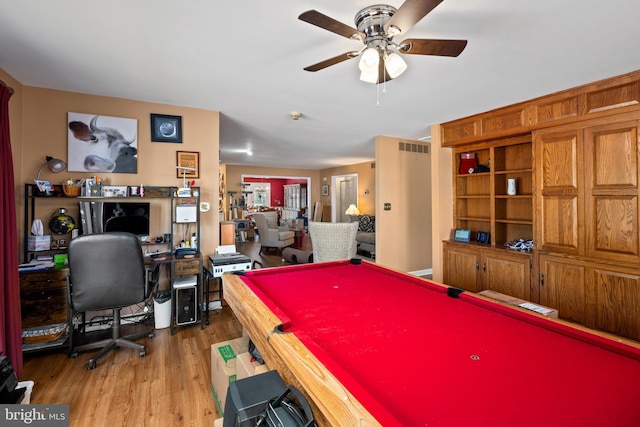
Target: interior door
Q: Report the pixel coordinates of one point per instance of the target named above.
(346, 193)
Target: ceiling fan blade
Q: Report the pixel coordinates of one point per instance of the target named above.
(331, 61)
(409, 14)
(433, 47)
(323, 21)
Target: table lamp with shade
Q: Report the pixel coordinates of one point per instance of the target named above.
(352, 211)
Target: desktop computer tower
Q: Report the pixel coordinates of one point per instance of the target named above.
(186, 300)
(186, 304)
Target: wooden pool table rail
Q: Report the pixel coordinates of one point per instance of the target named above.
(332, 403)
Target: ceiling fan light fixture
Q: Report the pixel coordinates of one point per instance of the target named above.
(394, 64)
(369, 76)
(369, 60)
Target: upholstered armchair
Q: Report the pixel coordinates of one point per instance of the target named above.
(270, 235)
(333, 240)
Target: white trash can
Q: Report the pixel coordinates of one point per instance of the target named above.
(162, 309)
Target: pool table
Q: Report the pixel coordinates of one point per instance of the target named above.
(370, 345)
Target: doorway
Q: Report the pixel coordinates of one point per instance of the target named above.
(345, 193)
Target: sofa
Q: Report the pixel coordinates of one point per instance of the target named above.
(366, 235)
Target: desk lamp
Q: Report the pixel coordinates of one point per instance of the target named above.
(352, 211)
(55, 165)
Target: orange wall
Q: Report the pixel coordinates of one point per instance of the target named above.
(403, 180)
(42, 130)
(442, 198)
(366, 181)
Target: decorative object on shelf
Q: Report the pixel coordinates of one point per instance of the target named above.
(61, 222)
(71, 190)
(483, 237)
(468, 163)
(511, 187)
(105, 144)
(461, 235)
(166, 128)
(188, 164)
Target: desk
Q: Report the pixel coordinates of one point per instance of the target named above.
(372, 346)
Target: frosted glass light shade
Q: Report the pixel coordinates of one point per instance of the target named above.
(369, 60)
(395, 65)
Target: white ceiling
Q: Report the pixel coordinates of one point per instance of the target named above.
(245, 59)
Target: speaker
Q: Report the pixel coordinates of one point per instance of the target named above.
(186, 303)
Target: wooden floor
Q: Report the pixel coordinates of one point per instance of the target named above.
(171, 386)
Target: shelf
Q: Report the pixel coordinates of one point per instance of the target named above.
(514, 171)
(515, 221)
(471, 218)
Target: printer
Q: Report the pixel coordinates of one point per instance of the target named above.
(228, 263)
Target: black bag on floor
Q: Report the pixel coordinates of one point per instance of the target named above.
(290, 409)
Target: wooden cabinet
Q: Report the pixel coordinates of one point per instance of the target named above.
(576, 157)
(44, 307)
(600, 296)
(295, 198)
(462, 266)
(476, 268)
(588, 190)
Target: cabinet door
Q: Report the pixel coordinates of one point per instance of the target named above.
(615, 303)
(507, 273)
(461, 267)
(563, 287)
(559, 199)
(612, 172)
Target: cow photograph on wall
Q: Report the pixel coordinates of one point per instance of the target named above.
(102, 144)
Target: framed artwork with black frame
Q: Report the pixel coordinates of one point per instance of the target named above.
(188, 159)
(166, 128)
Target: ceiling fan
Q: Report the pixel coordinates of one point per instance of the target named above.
(377, 25)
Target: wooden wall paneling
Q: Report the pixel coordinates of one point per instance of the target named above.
(559, 200)
(611, 191)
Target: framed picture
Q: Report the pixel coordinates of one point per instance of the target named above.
(325, 190)
(99, 143)
(190, 160)
(166, 128)
(462, 235)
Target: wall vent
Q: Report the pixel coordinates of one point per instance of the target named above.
(413, 148)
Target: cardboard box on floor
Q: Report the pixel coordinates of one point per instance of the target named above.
(247, 366)
(551, 312)
(219, 422)
(223, 367)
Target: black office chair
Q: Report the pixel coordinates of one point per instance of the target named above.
(107, 272)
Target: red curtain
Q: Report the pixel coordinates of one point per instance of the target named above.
(10, 320)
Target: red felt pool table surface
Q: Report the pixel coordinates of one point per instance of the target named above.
(414, 356)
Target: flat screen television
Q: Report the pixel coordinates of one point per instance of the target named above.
(98, 217)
